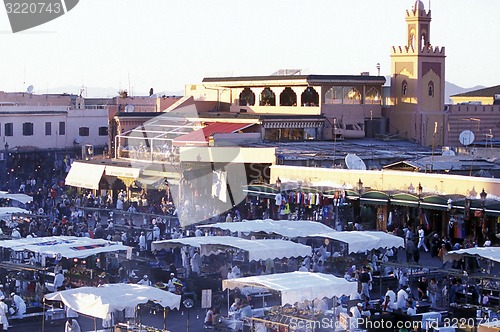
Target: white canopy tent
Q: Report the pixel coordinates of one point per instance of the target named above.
(297, 286)
(286, 228)
(102, 301)
(22, 198)
(84, 175)
(6, 212)
(63, 246)
(257, 249)
(362, 241)
(491, 253)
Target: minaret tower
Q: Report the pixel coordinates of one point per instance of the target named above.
(417, 82)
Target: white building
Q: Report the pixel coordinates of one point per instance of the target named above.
(52, 127)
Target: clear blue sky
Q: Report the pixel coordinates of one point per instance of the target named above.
(166, 44)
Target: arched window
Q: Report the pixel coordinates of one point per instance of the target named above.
(352, 95)
(288, 97)
(334, 95)
(430, 89)
(247, 97)
(267, 98)
(310, 97)
(404, 88)
(372, 96)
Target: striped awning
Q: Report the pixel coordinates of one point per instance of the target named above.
(405, 200)
(375, 198)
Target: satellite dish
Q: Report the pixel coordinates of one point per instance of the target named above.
(129, 108)
(30, 89)
(354, 162)
(77, 140)
(449, 153)
(153, 96)
(466, 137)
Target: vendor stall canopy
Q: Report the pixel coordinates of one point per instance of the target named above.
(297, 286)
(256, 249)
(63, 246)
(6, 212)
(289, 229)
(363, 241)
(491, 253)
(101, 301)
(21, 198)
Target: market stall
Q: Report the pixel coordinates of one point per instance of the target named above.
(7, 212)
(255, 249)
(363, 241)
(300, 294)
(81, 258)
(63, 246)
(104, 301)
(21, 198)
(491, 253)
(285, 228)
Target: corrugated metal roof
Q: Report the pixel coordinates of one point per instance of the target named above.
(201, 136)
(486, 92)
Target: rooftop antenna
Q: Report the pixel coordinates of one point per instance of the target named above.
(130, 91)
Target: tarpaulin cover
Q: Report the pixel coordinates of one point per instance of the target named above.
(492, 253)
(101, 301)
(257, 249)
(63, 246)
(297, 286)
(287, 228)
(362, 241)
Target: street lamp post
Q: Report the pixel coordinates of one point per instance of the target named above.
(483, 196)
(360, 191)
(419, 193)
(6, 158)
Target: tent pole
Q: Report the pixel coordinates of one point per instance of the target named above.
(228, 301)
(43, 317)
(165, 319)
(335, 299)
(95, 325)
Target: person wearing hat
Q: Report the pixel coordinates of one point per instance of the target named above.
(4, 309)
(144, 281)
(356, 310)
(171, 283)
(19, 303)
